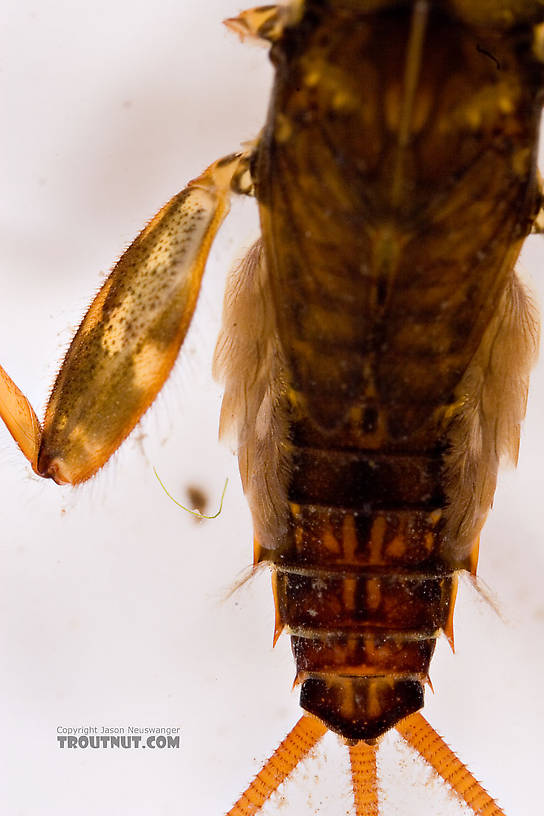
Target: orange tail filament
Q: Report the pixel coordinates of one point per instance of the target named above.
(296, 745)
(363, 773)
(418, 733)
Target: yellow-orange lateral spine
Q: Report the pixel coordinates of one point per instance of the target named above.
(396, 182)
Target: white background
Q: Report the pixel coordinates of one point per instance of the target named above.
(112, 600)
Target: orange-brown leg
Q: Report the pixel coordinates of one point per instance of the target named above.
(296, 745)
(362, 758)
(418, 733)
(20, 419)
